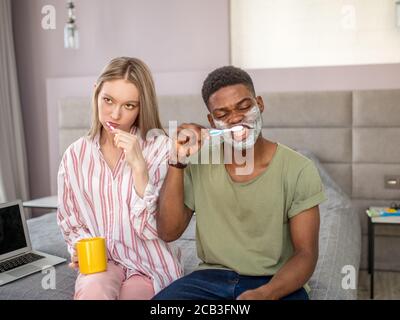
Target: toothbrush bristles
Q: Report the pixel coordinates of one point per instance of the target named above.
(237, 128)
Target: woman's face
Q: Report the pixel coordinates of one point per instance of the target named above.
(118, 103)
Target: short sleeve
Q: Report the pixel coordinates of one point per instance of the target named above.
(309, 190)
(188, 189)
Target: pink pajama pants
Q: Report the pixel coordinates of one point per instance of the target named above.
(112, 285)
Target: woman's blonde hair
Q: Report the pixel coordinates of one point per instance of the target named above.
(136, 72)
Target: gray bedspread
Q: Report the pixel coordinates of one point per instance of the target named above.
(339, 242)
(339, 246)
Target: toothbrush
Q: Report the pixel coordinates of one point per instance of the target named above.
(110, 126)
(217, 132)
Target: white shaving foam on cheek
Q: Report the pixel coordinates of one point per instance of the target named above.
(254, 121)
(251, 116)
(219, 124)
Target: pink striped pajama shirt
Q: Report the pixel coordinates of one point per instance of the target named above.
(95, 201)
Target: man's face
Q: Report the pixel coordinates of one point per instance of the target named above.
(236, 105)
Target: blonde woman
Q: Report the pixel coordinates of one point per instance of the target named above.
(108, 185)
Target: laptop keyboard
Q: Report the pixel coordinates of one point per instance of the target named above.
(19, 261)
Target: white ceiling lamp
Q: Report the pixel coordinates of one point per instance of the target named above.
(71, 36)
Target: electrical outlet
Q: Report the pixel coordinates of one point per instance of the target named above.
(392, 182)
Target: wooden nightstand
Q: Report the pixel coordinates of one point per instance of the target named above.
(372, 221)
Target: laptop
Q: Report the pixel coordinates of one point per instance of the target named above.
(17, 259)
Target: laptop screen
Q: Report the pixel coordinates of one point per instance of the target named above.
(12, 236)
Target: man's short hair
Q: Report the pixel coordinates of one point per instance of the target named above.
(223, 77)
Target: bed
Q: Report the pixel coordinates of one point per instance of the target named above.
(334, 129)
(339, 246)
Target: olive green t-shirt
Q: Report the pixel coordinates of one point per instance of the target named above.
(244, 227)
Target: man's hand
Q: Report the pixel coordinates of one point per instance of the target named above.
(188, 140)
(304, 231)
(255, 294)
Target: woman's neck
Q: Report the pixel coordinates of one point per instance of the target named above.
(107, 139)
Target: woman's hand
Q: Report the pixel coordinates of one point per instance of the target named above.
(130, 144)
(74, 264)
(134, 157)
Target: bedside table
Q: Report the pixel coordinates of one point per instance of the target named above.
(42, 203)
(372, 221)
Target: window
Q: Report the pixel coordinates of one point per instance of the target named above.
(300, 33)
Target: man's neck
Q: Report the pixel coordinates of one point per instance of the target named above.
(256, 153)
(253, 162)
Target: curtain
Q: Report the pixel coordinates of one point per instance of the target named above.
(13, 160)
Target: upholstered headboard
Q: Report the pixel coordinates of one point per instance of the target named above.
(355, 134)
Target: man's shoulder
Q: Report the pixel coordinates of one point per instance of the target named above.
(292, 159)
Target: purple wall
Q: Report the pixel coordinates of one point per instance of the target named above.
(169, 35)
(178, 39)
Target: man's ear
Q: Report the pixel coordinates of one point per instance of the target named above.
(260, 103)
(211, 120)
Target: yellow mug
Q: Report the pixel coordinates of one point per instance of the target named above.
(92, 255)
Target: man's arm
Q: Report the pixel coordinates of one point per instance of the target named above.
(173, 216)
(304, 230)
